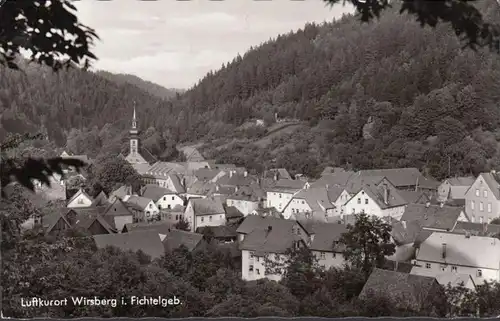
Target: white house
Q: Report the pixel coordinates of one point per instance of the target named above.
(325, 244)
(202, 212)
(80, 199)
(454, 188)
(262, 246)
(477, 256)
(381, 201)
(279, 195)
(482, 199)
(119, 214)
(447, 278)
(144, 208)
(163, 197)
(246, 199)
(318, 202)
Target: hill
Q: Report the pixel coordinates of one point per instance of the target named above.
(385, 94)
(148, 86)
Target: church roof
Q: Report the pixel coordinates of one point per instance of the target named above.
(144, 152)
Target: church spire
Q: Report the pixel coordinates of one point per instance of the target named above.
(134, 119)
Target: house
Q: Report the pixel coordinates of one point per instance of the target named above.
(478, 256)
(199, 189)
(254, 222)
(233, 215)
(161, 228)
(381, 201)
(80, 199)
(404, 235)
(279, 195)
(205, 212)
(178, 238)
(148, 242)
(246, 199)
(221, 233)
(166, 175)
(414, 197)
(405, 179)
(55, 223)
(172, 215)
(267, 212)
(90, 221)
(163, 197)
(432, 217)
(333, 179)
(277, 174)
(268, 243)
(325, 244)
(101, 199)
(120, 193)
(144, 209)
(317, 202)
(479, 229)
(483, 198)
(139, 157)
(407, 291)
(119, 214)
(448, 278)
(454, 188)
(234, 178)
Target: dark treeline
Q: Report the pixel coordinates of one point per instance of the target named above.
(384, 94)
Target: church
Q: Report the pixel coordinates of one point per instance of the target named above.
(139, 157)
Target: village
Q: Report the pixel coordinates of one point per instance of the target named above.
(437, 227)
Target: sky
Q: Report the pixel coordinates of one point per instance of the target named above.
(175, 43)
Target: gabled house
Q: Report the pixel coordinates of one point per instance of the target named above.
(161, 228)
(120, 193)
(269, 243)
(448, 278)
(234, 178)
(233, 215)
(172, 215)
(325, 244)
(166, 174)
(199, 189)
(478, 229)
(414, 197)
(148, 242)
(483, 198)
(432, 217)
(144, 209)
(221, 233)
(205, 212)
(380, 201)
(407, 291)
(405, 179)
(90, 220)
(246, 199)
(80, 199)
(282, 191)
(177, 238)
(163, 197)
(255, 222)
(454, 188)
(119, 214)
(55, 223)
(277, 174)
(316, 202)
(478, 256)
(101, 200)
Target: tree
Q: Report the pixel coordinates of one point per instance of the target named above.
(367, 243)
(182, 224)
(107, 172)
(465, 19)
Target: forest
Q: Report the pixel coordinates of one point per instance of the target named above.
(383, 94)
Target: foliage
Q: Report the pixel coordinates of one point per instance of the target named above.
(182, 224)
(108, 172)
(367, 243)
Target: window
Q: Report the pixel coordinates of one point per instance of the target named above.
(366, 201)
(477, 192)
(485, 193)
(353, 211)
(481, 206)
(173, 198)
(210, 218)
(489, 207)
(176, 217)
(279, 195)
(454, 269)
(202, 219)
(258, 258)
(150, 205)
(250, 268)
(322, 255)
(481, 220)
(472, 205)
(164, 198)
(303, 202)
(334, 255)
(479, 274)
(257, 270)
(443, 267)
(427, 265)
(252, 255)
(168, 206)
(359, 200)
(159, 206)
(80, 201)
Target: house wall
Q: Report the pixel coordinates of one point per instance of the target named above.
(245, 207)
(458, 192)
(437, 268)
(403, 253)
(210, 220)
(278, 200)
(151, 210)
(59, 227)
(443, 191)
(96, 228)
(120, 221)
(189, 215)
(479, 193)
(340, 202)
(329, 259)
(369, 206)
(296, 205)
(169, 201)
(80, 201)
(259, 267)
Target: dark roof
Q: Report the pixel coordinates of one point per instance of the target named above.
(377, 194)
(406, 288)
(403, 267)
(432, 216)
(493, 182)
(100, 199)
(148, 242)
(479, 229)
(413, 197)
(207, 206)
(206, 174)
(137, 202)
(278, 239)
(176, 238)
(335, 179)
(50, 220)
(279, 172)
(233, 212)
(144, 152)
(324, 236)
(159, 227)
(402, 177)
(257, 222)
(405, 232)
(461, 181)
(122, 191)
(220, 231)
(251, 193)
(117, 208)
(155, 192)
(287, 185)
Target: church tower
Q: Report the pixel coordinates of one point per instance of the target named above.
(134, 136)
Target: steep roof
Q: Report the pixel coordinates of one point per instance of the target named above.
(163, 169)
(413, 288)
(280, 172)
(233, 212)
(86, 217)
(122, 191)
(402, 177)
(176, 238)
(357, 181)
(405, 232)
(432, 216)
(100, 199)
(461, 250)
(445, 278)
(207, 206)
(257, 222)
(248, 193)
(77, 194)
(480, 229)
(236, 179)
(220, 231)
(318, 199)
(324, 236)
(461, 181)
(493, 182)
(155, 192)
(159, 227)
(334, 179)
(287, 185)
(377, 194)
(200, 188)
(413, 197)
(117, 208)
(206, 174)
(50, 220)
(144, 152)
(278, 239)
(138, 201)
(147, 241)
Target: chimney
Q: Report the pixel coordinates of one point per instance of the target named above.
(386, 194)
(444, 251)
(245, 174)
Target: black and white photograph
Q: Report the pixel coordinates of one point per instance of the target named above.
(244, 158)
